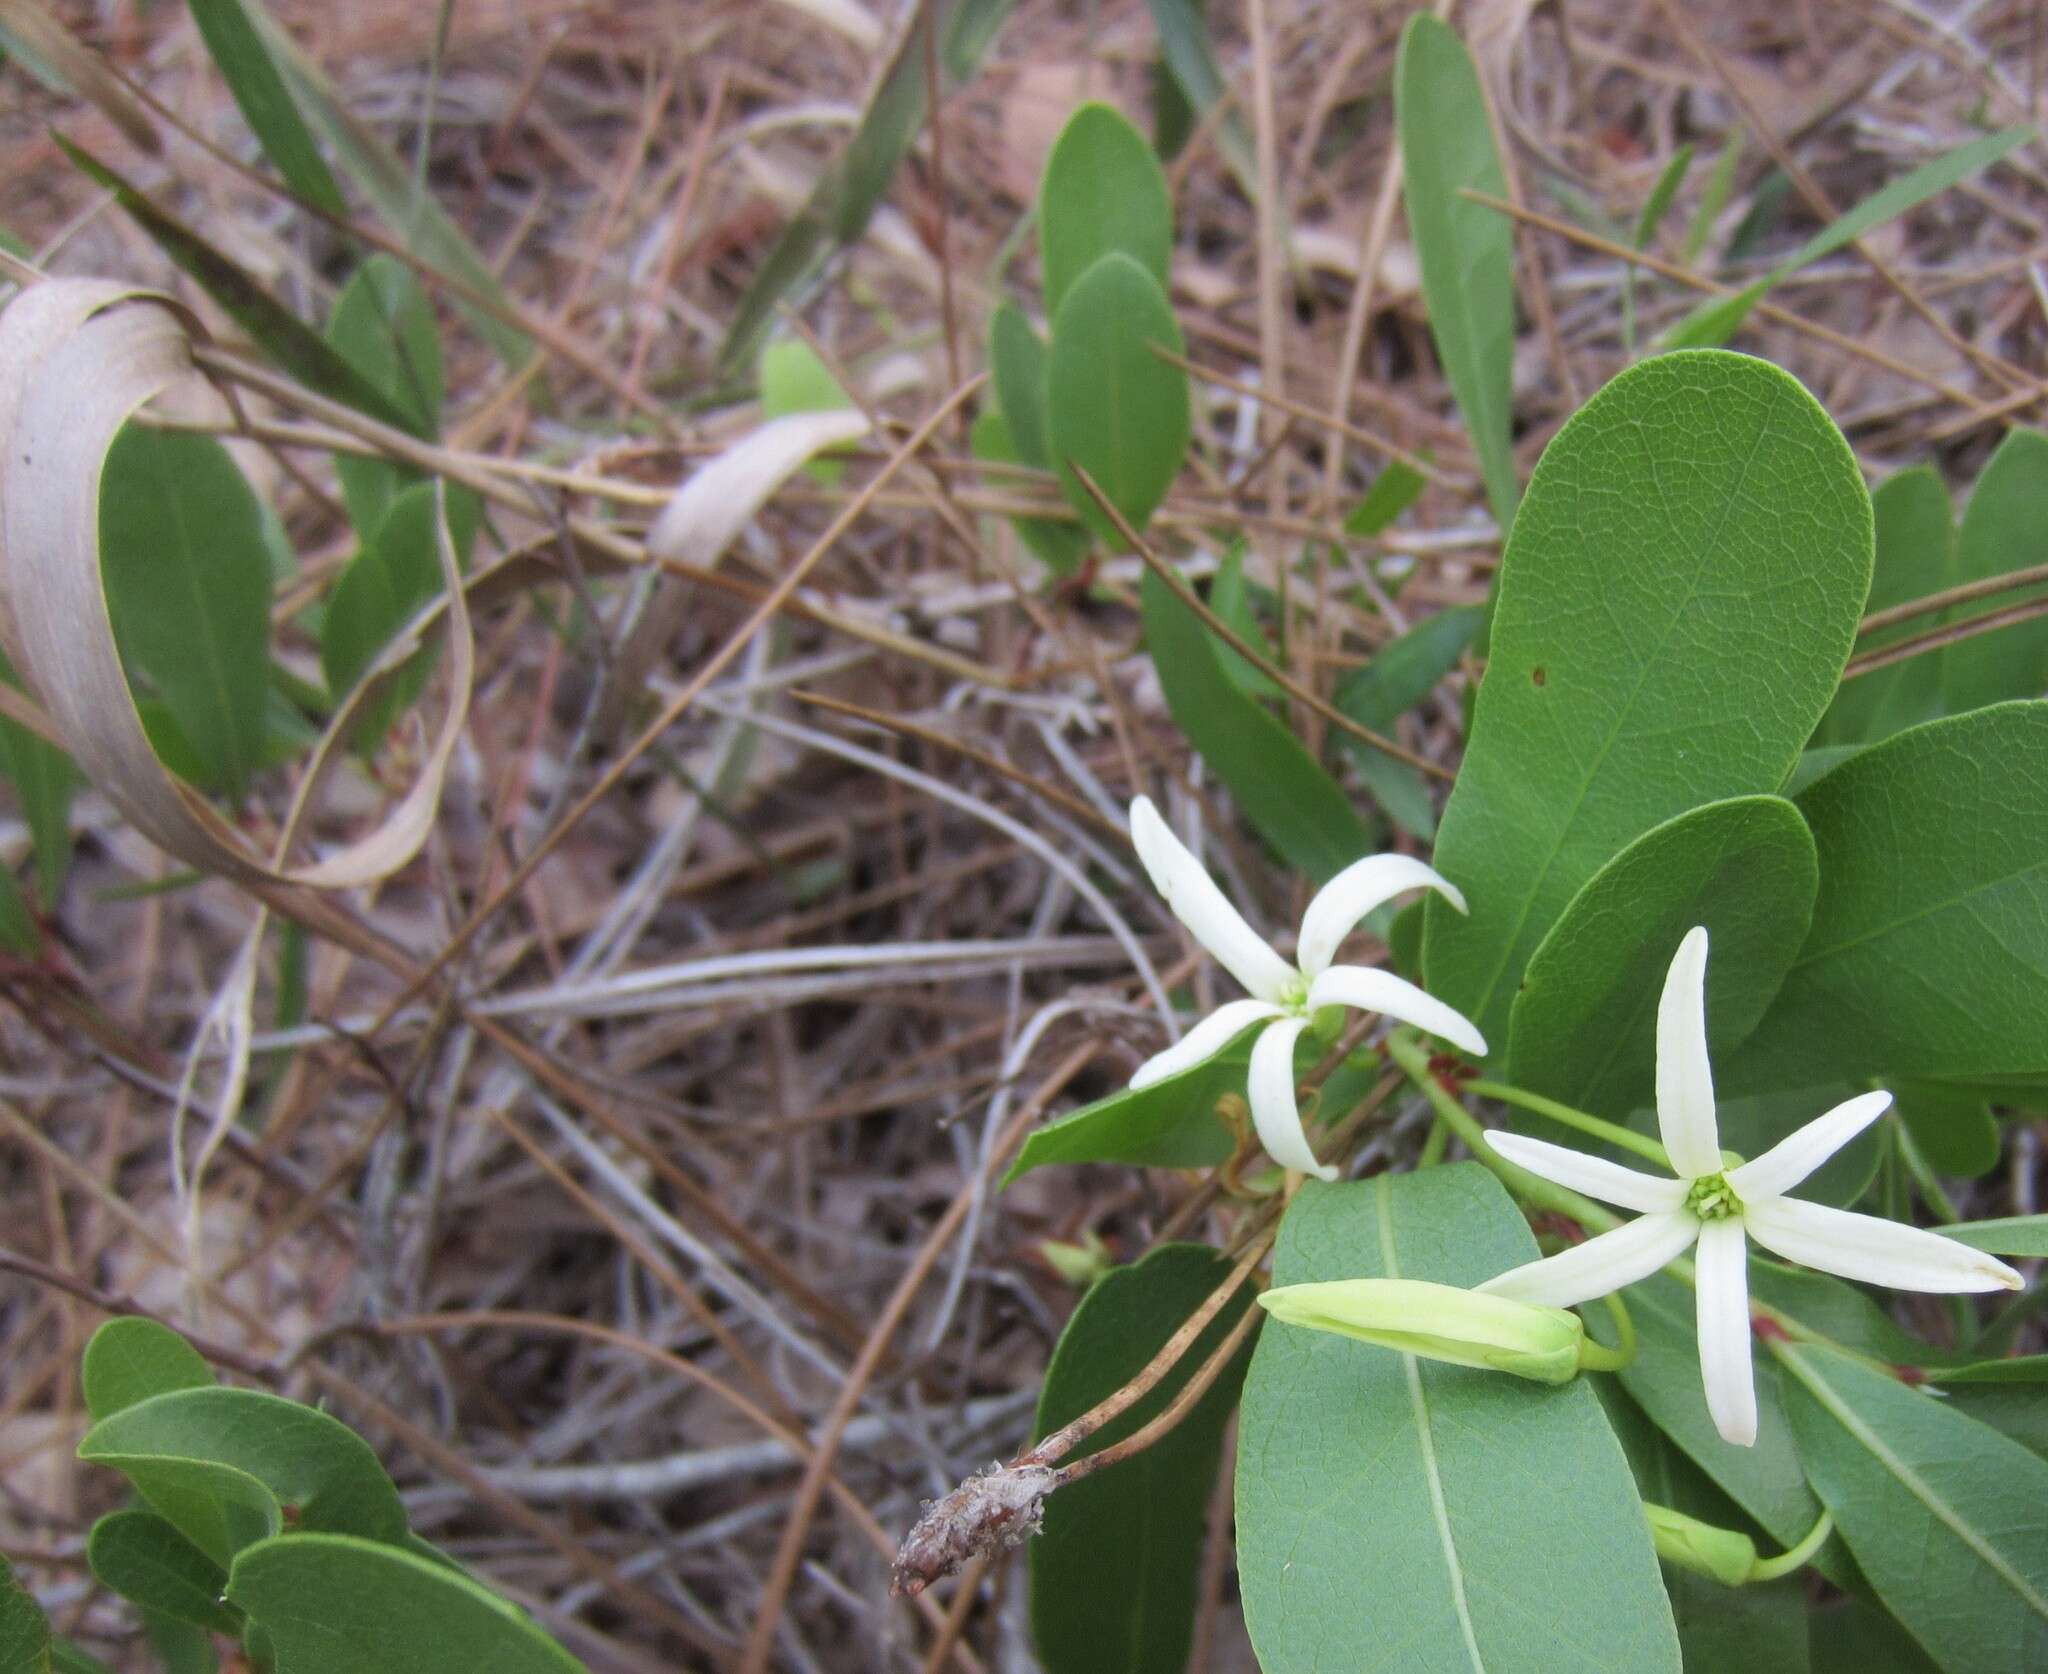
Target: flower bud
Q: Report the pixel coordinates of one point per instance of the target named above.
(1727, 1555)
(1439, 1322)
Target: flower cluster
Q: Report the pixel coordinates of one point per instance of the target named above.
(1714, 1205)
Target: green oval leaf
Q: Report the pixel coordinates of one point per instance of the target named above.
(1941, 1512)
(1466, 251)
(304, 1458)
(1018, 366)
(1915, 557)
(1114, 1570)
(1952, 1127)
(1928, 954)
(2001, 532)
(1410, 1514)
(336, 1605)
(383, 327)
(24, 1629)
(1674, 609)
(131, 1359)
(1113, 407)
(1170, 1124)
(1103, 191)
(188, 586)
(1583, 1028)
(148, 1562)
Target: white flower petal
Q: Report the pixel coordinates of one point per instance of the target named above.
(1602, 1264)
(1200, 905)
(1595, 1176)
(1878, 1252)
(1685, 1082)
(1204, 1040)
(1382, 991)
(1354, 892)
(1274, 1112)
(1803, 1150)
(1722, 1269)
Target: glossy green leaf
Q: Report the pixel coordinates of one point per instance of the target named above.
(2001, 532)
(1673, 612)
(24, 1629)
(43, 778)
(1113, 407)
(1941, 1512)
(1952, 1127)
(280, 333)
(188, 587)
(1466, 251)
(265, 102)
(2013, 1235)
(130, 1359)
(1414, 1508)
(1584, 1024)
(67, 1658)
(332, 1604)
(1393, 491)
(1915, 557)
(1400, 676)
(853, 185)
(1279, 787)
(1103, 191)
(2016, 1411)
(1170, 1124)
(1717, 319)
(147, 1561)
(304, 1459)
(383, 326)
(1928, 954)
(1057, 545)
(1114, 1571)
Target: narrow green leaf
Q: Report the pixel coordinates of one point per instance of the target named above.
(795, 380)
(303, 1457)
(1395, 681)
(188, 587)
(19, 933)
(332, 1604)
(1928, 954)
(1281, 790)
(1103, 190)
(1715, 320)
(1952, 1127)
(131, 1358)
(1170, 1124)
(1184, 44)
(24, 1629)
(853, 186)
(1915, 557)
(1690, 565)
(1941, 1512)
(1113, 407)
(395, 190)
(1583, 1027)
(1466, 251)
(1114, 1570)
(1655, 207)
(279, 332)
(1714, 197)
(2014, 1235)
(1393, 491)
(1409, 1512)
(147, 1561)
(2001, 532)
(265, 102)
(1231, 601)
(43, 778)
(383, 327)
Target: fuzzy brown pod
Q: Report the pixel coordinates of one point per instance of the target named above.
(1001, 1507)
(78, 358)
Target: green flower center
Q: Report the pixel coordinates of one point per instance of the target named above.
(1294, 997)
(1712, 1198)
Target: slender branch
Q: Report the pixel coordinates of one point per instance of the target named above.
(1964, 594)
(1613, 1132)
(1951, 633)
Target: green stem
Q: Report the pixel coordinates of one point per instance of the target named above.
(1923, 1176)
(1595, 1356)
(1434, 1147)
(1613, 1132)
(1769, 1569)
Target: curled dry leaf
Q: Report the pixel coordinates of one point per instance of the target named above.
(78, 357)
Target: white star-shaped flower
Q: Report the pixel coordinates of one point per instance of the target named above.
(1716, 1206)
(1287, 997)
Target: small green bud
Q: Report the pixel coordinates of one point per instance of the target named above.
(1727, 1555)
(1439, 1322)
(1327, 1023)
(1079, 1264)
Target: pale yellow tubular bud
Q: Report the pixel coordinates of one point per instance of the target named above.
(1439, 1322)
(1727, 1555)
